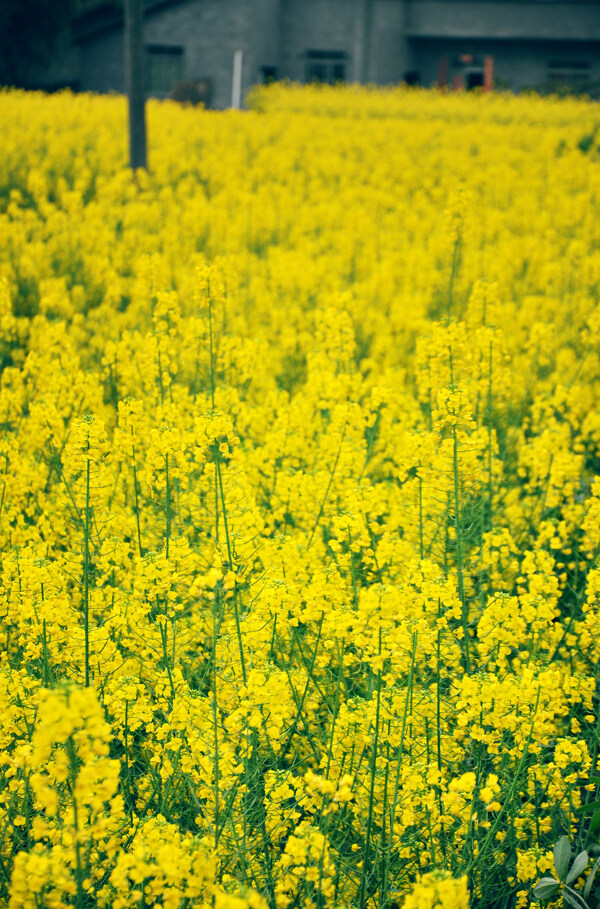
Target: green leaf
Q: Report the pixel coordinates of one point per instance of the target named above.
(562, 857)
(574, 899)
(578, 866)
(595, 822)
(545, 888)
(590, 880)
(588, 808)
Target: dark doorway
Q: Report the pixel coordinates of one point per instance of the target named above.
(269, 74)
(475, 80)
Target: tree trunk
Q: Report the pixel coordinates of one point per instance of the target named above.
(134, 65)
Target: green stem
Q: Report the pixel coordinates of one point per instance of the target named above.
(481, 855)
(421, 546)
(490, 434)
(331, 475)
(163, 635)
(453, 273)
(167, 505)
(399, 755)
(127, 778)
(300, 706)
(137, 499)
(86, 574)
(439, 743)
(367, 852)
(231, 566)
(80, 897)
(211, 345)
(215, 719)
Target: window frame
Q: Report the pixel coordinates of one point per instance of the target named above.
(162, 54)
(325, 67)
(569, 72)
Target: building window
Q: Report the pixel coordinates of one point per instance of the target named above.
(269, 74)
(326, 66)
(164, 68)
(568, 72)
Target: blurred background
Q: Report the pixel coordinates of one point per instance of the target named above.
(191, 45)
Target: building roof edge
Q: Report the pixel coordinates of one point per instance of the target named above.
(108, 16)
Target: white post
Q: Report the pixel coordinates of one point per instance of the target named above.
(236, 88)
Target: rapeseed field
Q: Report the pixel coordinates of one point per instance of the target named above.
(299, 502)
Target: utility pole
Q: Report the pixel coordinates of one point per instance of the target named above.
(134, 69)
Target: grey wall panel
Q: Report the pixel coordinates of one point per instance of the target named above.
(102, 63)
(571, 20)
(316, 24)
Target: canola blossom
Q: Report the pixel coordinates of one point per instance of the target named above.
(299, 499)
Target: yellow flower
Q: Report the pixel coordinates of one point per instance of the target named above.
(438, 888)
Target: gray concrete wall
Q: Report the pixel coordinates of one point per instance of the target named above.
(102, 64)
(60, 70)
(391, 55)
(514, 19)
(316, 25)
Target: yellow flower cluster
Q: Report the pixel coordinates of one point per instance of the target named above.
(438, 888)
(299, 499)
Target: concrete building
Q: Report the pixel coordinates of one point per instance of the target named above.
(518, 43)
